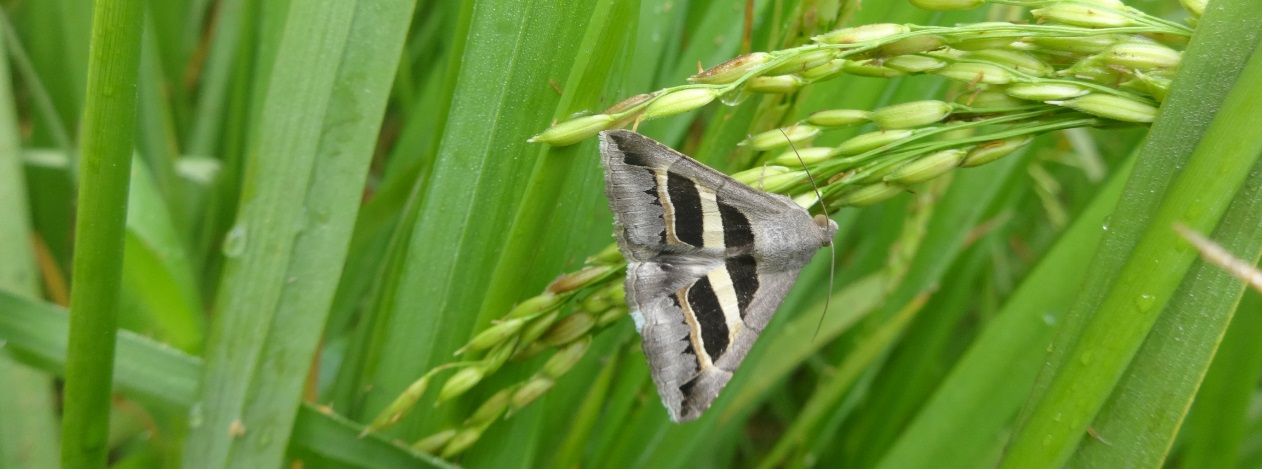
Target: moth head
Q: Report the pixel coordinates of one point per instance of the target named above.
(827, 226)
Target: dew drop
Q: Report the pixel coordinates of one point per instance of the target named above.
(1107, 221)
(735, 97)
(234, 242)
(195, 415)
(1145, 302)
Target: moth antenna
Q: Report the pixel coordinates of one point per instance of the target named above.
(832, 251)
(832, 270)
(818, 195)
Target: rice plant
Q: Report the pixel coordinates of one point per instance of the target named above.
(373, 234)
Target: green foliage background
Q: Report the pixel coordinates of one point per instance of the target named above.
(329, 198)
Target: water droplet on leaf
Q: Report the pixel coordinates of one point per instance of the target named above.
(234, 242)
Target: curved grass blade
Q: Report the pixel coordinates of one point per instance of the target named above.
(319, 121)
(1093, 363)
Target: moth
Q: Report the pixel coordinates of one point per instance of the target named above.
(709, 261)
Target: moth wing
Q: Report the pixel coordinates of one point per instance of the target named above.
(665, 202)
(698, 330)
(653, 296)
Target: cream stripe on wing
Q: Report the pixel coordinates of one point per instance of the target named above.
(712, 234)
(721, 282)
(668, 209)
(694, 330)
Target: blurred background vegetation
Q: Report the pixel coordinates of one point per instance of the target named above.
(328, 199)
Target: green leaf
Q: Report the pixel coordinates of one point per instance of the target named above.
(1095, 360)
(985, 388)
(473, 194)
(28, 436)
(164, 377)
(299, 202)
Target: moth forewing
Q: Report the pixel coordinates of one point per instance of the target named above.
(709, 261)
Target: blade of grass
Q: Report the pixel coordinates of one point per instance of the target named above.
(1217, 425)
(177, 51)
(28, 433)
(18, 273)
(42, 101)
(215, 80)
(987, 385)
(149, 372)
(160, 296)
(1206, 74)
(610, 24)
(52, 193)
(833, 388)
(260, 247)
(919, 362)
(336, 440)
(57, 43)
(155, 133)
(319, 122)
(1148, 405)
(234, 76)
(883, 394)
(579, 437)
(158, 375)
(381, 231)
(952, 218)
(1108, 341)
(109, 121)
(554, 222)
(500, 96)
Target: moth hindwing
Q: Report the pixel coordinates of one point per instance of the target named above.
(709, 261)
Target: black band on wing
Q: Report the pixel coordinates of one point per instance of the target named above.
(689, 220)
(705, 306)
(743, 270)
(635, 159)
(736, 229)
(686, 390)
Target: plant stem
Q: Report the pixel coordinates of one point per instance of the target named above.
(108, 129)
